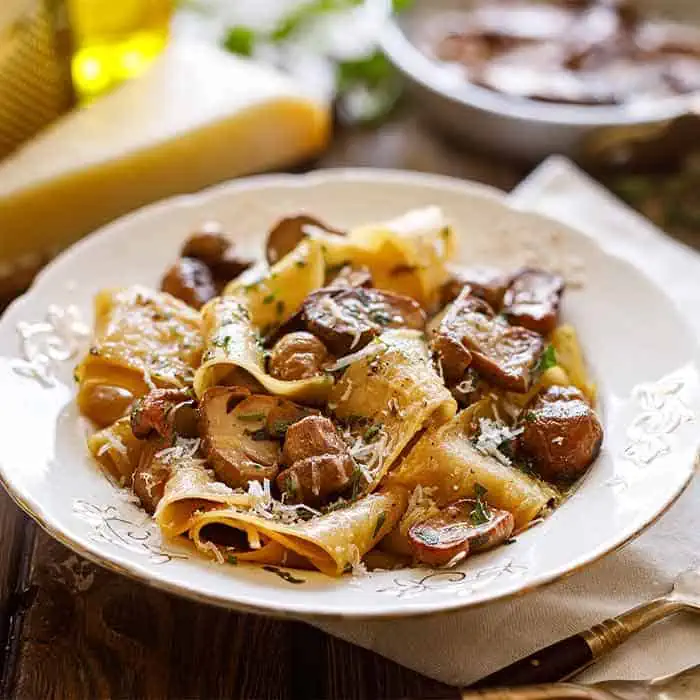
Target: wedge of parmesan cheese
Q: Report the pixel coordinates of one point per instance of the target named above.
(197, 117)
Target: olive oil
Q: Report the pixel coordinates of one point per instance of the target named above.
(115, 40)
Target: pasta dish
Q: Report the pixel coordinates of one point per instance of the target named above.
(354, 400)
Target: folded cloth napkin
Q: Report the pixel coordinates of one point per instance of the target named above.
(461, 647)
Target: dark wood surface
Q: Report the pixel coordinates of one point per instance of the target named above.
(69, 629)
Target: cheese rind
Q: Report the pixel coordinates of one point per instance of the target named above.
(198, 117)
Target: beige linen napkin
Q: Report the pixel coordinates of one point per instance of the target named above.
(460, 647)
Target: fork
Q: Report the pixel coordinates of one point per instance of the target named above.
(567, 657)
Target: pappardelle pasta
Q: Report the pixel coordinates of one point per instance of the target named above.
(355, 400)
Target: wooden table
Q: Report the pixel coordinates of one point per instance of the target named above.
(70, 629)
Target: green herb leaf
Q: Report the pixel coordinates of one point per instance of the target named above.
(289, 485)
(240, 40)
(530, 417)
(481, 513)
(268, 299)
(372, 432)
(251, 417)
(280, 307)
(381, 519)
(231, 559)
(548, 359)
(258, 435)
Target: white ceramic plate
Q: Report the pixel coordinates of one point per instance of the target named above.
(638, 348)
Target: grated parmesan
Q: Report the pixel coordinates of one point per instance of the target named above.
(492, 435)
(211, 547)
(357, 566)
(371, 349)
(184, 448)
(113, 442)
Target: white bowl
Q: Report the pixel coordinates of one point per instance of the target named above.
(639, 349)
(531, 130)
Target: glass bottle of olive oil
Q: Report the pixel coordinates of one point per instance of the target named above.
(115, 40)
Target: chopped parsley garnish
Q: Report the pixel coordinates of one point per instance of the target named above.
(251, 417)
(231, 559)
(268, 299)
(380, 316)
(548, 359)
(258, 435)
(372, 432)
(481, 513)
(280, 427)
(280, 307)
(289, 485)
(530, 417)
(381, 519)
(300, 263)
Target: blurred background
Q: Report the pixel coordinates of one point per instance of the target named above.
(99, 96)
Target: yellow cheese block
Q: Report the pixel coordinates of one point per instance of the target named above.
(197, 117)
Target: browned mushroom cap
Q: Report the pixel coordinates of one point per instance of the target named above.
(315, 480)
(167, 412)
(532, 300)
(310, 437)
(208, 244)
(487, 283)
(347, 320)
(284, 415)
(561, 434)
(234, 438)
(298, 355)
(462, 527)
(191, 281)
(288, 232)
(452, 354)
(505, 355)
(150, 477)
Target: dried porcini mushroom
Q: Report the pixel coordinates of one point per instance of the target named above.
(287, 233)
(486, 282)
(532, 300)
(348, 319)
(191, 281)
(167, 412)
(506, 355)
(461, 528)
(561, 434)
(320, 465)
(298, 355)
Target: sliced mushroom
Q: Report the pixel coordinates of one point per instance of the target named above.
(283, 415)
(167, 412)
(461, 528)
(150, 477)
(191, 281)
(297, 355)
(487, 283)
(561, 434)
(505, 355)
(532, 300)
(315, 480)
(321, 465)
(234, 437)
(346, 320)
(288, 232)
